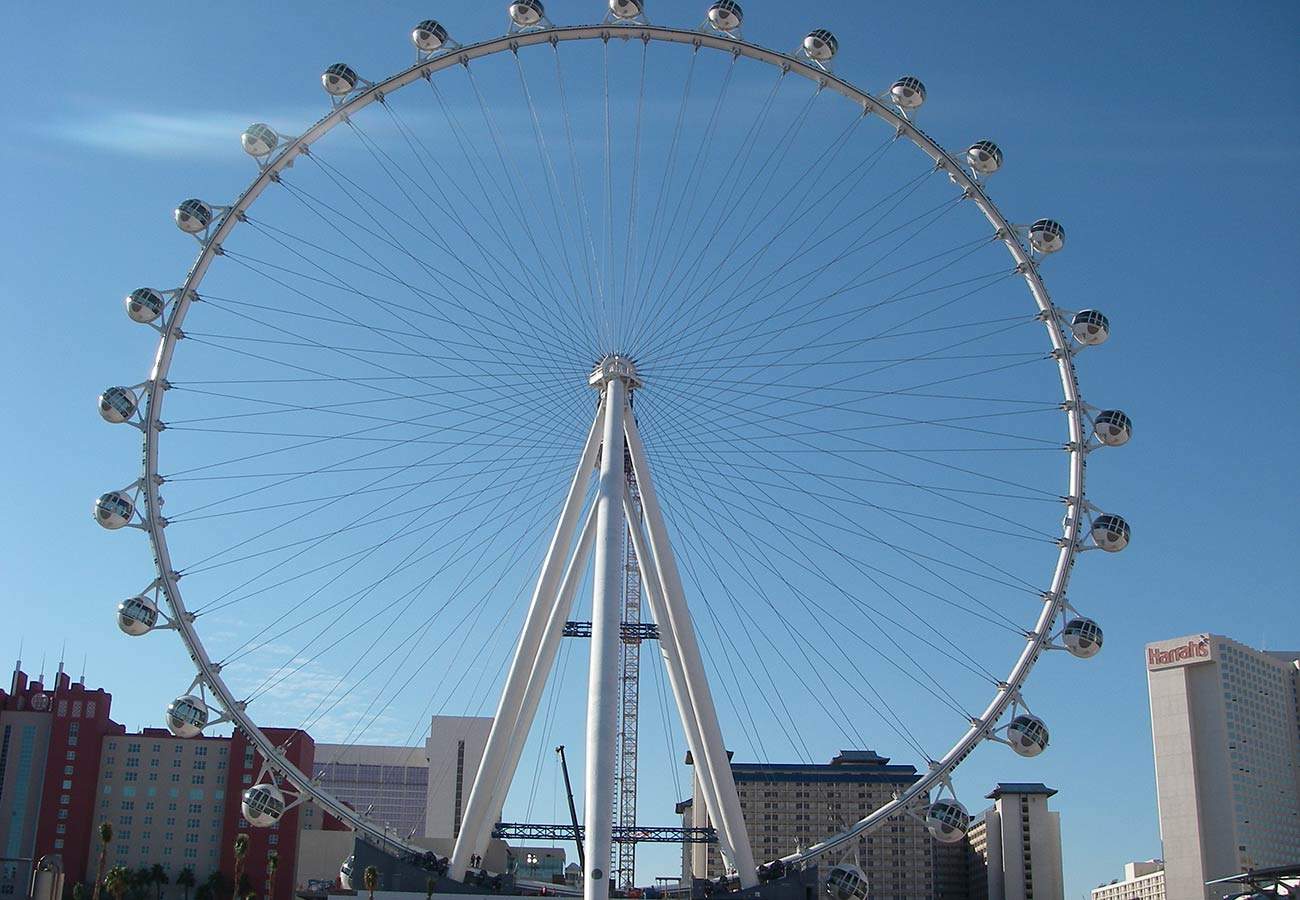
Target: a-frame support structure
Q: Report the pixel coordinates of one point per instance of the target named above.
(613, 443)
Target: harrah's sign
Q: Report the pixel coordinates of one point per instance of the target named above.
(1182, 652)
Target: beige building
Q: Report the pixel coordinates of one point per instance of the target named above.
(453, 751)
(1141, 881)
(390, 784)
(1016, 846)
(165, 798)
(1226, 734)
(789, 806)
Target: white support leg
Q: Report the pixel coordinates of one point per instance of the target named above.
(730, 818)
(653, 592)
(546, 654)
(606, 618)
(503, 735)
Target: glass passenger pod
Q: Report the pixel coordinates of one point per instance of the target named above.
(114, 510)
(1027, 735)
(1112, 427)
(726, 15)
(193, 216)
(526, 13)
(947, 820)
(428, 36)
(144, 305)
(1082, 637)
(263, 805)
(820, 45)
(1046, 236)
(259, 140)
(345, 873)
(908, 92)
(626, 9)
(985, 157)
(1090, 327)
(1110, 532)
(846, 882)
(117, 405)
(137, 616)
(339, 80)
(186, 716)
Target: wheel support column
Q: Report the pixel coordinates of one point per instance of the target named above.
(606, 618)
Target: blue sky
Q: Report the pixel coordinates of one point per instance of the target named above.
(1160, 136)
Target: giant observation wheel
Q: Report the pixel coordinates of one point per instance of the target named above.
(826, 411)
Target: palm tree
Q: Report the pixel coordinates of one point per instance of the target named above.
(139, 880)
(241, 851)
(272, 863)
(429, 884)
(78, 891)
(184, 879)
(105, 838)
(370, 878)
(117, 881)
(158, 875)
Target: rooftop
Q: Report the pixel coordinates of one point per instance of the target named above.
(1020, 787)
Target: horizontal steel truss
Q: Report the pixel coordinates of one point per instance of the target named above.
(630, 631)
(636, 834)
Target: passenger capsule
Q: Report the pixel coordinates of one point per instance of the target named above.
(193, 216)
(428, 36)
(908, 92)
(626, 9)
(187, 716)
(726, 15)
(1027, 735)
(846, 882)
(985, 157)
(1090, 327)
(262, 805)
(1082, 637)
(259, 140)
(526, 13)
(345, 873)
(947, 821)
(339, 80)
(137, 616)
(820, 45)
(1112, 427)
(1046, 236)
(114, 510)
(117, 404)
(144, 305)
(1110, 532)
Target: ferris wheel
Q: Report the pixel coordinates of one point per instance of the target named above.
(578, 298)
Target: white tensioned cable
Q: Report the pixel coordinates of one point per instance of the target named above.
(1054, 596)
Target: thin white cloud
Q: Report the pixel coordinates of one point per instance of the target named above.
(212, 135)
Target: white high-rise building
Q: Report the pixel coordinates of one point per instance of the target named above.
(1016, 846)
(1225, 722)
(454, 750)
(1142, 881)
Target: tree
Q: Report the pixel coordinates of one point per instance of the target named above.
(158, 875)
(184, 879)
(370, 878)
(105, 838)
(272, 863)
(117, 881)
(78, 891)
(429, 884)
(138, 881)
(241, 851)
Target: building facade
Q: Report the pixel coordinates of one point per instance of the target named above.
(789, 806)
(1226, 733)
(453, 752)
(1141, 881)
(49, 766)
(1014, 847)
(391, 782)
